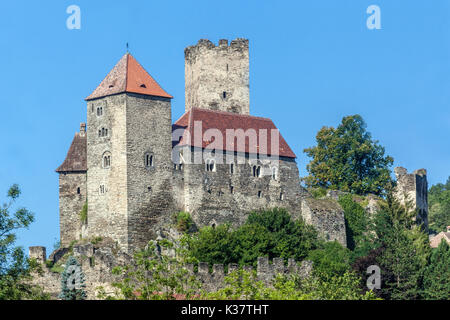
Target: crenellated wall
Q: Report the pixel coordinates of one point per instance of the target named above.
(97, 263)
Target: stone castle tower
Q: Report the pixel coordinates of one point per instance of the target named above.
(412, 188)
(217, 77)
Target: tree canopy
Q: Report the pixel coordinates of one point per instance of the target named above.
(439, 204)
(346, 158)
(15, 268)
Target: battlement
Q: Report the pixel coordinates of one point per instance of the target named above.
(97, 263)
(265, 271)
(205, 44)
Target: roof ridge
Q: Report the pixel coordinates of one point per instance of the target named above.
(126, 71)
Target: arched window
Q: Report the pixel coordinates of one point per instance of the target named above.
(274, 173)
(281, 196)
(210, 165)
(148, 160)
(78, 190)
(257, 171)
(106, 160)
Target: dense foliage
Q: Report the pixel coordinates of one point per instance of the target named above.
(158, 273)
(439, 204)
(241, 284)
(15, 268)
(269, 233)
(347, 159)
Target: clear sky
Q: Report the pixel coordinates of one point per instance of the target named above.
(311, 63)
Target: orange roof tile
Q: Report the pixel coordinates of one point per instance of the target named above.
(128, 76)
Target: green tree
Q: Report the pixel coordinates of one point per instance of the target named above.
(155, 276)
(73, 281)
(405, 251)
(15, 268)
(333, 259)
(347, 159)
(269, 233)
(439, 204)
(356, 221)
(437, 274)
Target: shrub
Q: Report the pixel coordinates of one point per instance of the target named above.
(183, 221)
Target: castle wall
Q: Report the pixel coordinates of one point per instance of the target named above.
(223, 197)
(72, 197)
(97, 264)
(217, 77)
(149, 188)
(107, 187)
(327, 216)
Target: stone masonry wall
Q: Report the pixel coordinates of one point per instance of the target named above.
(217, 77)
(72, 197)
(222, 196)
(97, 264)
(107, 187)
(149, 188)
(327, 216)
(413, 187)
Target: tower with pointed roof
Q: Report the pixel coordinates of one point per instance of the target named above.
(128, 155)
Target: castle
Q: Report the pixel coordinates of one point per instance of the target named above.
(135, 168)
(130, 169)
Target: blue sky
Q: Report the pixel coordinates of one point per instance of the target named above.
(311, 63)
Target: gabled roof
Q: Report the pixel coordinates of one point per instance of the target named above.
(128, 76)
(227, 120)
(76, 159)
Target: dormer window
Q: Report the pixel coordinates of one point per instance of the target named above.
(143, 86)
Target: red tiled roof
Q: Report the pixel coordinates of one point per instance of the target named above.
(227, 120)
(76, 159)
(128, 76)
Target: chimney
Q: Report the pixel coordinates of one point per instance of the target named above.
(82, 129)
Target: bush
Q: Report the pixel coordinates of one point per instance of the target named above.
(183, 221)
(269, 233)
(331, 260)
(83, 213)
